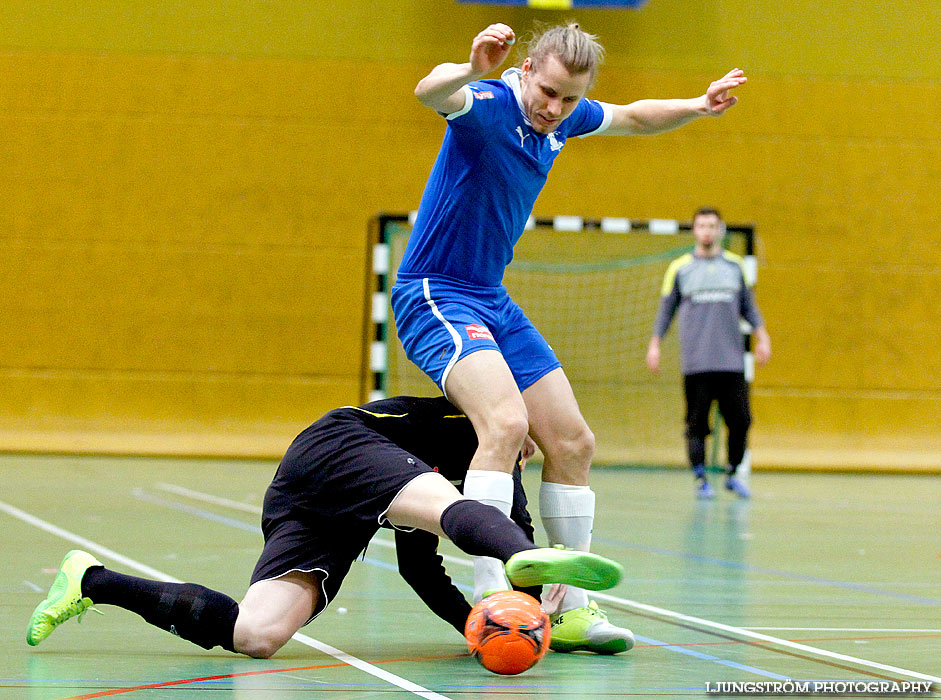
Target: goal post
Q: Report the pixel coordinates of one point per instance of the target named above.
(591, 287)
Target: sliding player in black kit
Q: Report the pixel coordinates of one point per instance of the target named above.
(350, 473)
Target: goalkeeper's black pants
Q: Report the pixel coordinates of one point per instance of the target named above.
(730, 390)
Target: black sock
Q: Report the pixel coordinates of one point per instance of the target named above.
(195, 613)
(482, 530)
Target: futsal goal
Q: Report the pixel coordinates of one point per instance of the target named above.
(592, 288)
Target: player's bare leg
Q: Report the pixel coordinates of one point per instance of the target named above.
(272, 611)
(567, 508)
(421, 503)
(482, 386)
(557, 426)
(431, 503)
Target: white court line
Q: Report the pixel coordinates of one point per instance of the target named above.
(209, 498)
(708, 624)
(91, 546)
(843, 629)
(748, 634)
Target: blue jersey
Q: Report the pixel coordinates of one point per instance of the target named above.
(489, 172)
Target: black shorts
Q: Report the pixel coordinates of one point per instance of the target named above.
(328, 498)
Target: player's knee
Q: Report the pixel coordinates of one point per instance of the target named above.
(583, 447)
(587, 443)
(261, 641)
(507, 431)
(261, 646)
(575, 448)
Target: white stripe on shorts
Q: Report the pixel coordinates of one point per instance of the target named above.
(458, 343)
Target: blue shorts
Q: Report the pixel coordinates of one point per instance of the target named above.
(441, 320)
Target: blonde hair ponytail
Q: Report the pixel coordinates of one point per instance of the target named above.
(575, 48)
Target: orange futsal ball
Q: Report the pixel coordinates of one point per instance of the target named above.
(508, 632)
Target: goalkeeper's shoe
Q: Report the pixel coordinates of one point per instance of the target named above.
(534, 567)
(65, 598)
(588, 629)
(736, 486)
(704, 490)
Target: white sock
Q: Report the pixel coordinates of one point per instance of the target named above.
(568, 514)
(494, 489)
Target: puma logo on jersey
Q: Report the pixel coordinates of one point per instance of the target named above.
(523, 137)
(477, 332)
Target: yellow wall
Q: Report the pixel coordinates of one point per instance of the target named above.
(185, 190)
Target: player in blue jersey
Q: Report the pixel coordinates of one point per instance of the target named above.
(453, 315)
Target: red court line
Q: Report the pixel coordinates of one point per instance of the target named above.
(165, 684)
(184, 681)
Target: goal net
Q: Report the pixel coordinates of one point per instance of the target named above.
(592, 289)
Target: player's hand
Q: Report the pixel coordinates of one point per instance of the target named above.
(491, 47)
(762, 351)
(552, 601)
(527, 451)
(653, 358)
(718, 99)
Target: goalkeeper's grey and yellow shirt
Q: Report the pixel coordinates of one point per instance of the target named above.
(711, 295)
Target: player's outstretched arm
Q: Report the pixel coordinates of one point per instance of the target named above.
(656, 116)
(441, 88)
(422, 567)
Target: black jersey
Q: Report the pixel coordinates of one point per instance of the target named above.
(340, 475)
(432, 429)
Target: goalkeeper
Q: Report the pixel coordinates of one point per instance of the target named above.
(452, 312)
(356, 469)
(708, 289)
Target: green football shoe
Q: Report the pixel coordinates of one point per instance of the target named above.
(588, 629)
(65, 597)
(534, 567)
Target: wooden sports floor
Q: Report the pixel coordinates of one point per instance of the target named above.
(818, 577)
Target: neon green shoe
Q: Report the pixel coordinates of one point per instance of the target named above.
(534, 567)
(490, 592)
(588, 629)
(65, 597)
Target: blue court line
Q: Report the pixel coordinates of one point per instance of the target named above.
(710, 657)
(141, 495)
(209, 515)
(739, 566)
